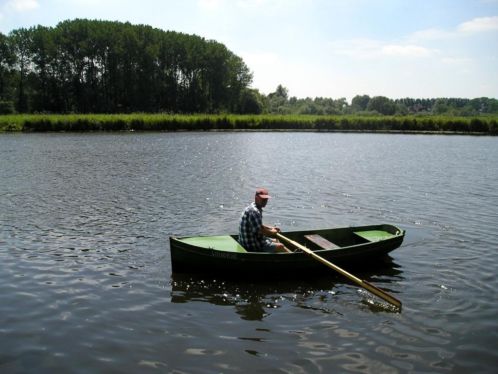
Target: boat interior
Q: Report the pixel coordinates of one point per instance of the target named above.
(328, 239)
(340, 238)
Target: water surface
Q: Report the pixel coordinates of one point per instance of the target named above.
(85, 273)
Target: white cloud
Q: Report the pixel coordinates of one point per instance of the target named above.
(23, 5)
(473, 26)
(375, 49)
(481, 24)
(430, 34)
(405, 50)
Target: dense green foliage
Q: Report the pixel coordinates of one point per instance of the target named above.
(162, 122)
(89, 66)
(278, 102)
(86, 66)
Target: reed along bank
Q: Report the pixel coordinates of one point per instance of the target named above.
(485, 125)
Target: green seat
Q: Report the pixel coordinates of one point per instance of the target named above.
(374, 235)
(222, 243)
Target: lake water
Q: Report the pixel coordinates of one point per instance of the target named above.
(85, 272)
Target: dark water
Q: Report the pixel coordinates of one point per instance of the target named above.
(85, 274)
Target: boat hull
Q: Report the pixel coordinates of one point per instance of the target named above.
(353, 250)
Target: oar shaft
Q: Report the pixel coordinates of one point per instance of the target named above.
(364, 284)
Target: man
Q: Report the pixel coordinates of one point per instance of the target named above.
(253, 235)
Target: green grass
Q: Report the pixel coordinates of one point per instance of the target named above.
(231, 122)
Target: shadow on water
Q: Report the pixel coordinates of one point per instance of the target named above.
(255, 299)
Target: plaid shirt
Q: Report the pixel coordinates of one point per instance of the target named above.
(250, 236)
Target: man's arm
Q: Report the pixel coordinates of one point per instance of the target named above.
(269, 230)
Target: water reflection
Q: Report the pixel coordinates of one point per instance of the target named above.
(255, 300)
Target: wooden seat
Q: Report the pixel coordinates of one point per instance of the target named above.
(321, 241)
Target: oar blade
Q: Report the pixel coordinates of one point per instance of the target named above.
(382, 294)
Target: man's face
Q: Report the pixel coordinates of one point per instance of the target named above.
(261, 202)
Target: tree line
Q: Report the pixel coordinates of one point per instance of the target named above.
(90, 66)
(85, 66)
(279, 102)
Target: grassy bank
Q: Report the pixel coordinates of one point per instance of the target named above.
(166, 122)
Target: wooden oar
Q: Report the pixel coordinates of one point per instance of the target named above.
(362, 283)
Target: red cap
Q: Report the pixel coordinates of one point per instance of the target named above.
(262, 193)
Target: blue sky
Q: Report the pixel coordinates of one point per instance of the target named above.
(328, 48)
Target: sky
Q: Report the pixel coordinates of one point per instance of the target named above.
(319, 48)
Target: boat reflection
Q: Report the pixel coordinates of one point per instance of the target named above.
(255, 299)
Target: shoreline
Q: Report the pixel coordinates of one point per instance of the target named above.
(143, 122)
(388, 132)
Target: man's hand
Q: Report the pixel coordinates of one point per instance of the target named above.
(270, 230)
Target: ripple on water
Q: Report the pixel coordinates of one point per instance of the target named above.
(84, 256)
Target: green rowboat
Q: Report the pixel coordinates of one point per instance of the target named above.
(222, 255)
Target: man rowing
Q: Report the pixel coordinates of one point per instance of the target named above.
(254, 236)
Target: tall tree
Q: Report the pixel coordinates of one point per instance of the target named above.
(278, 100)
(102, 66)
(382, 104)
(6, 61)
(360, 102)
(20, 40)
